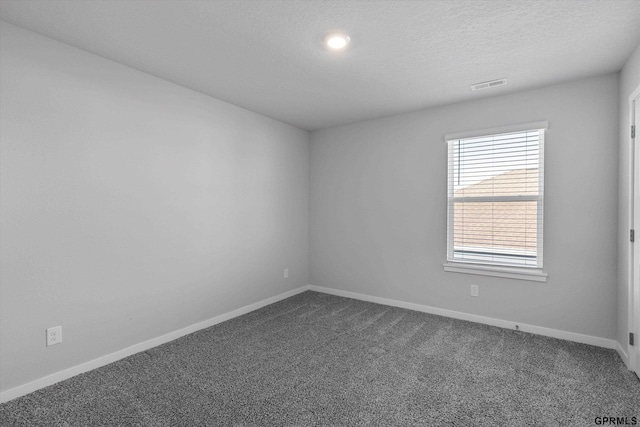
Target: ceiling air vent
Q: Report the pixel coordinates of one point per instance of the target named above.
(487, 85)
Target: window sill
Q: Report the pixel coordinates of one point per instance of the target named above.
(531, 274)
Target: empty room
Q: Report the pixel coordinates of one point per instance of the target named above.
(319, 212)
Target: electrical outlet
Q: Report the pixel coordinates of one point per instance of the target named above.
(475, 291)
(286, 273)
(54, 335)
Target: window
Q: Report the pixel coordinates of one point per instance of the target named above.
(495, 197)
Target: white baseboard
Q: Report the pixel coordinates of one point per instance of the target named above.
(539, 330)
(48, 380)
(623, 355)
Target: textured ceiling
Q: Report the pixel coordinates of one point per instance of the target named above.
(267, 56)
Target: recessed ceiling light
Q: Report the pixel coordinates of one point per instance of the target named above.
(336, 41)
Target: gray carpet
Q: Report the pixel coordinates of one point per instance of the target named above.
(316, 359)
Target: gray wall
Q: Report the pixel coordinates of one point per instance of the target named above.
(378, 208)
(629, 81)
(132, 207)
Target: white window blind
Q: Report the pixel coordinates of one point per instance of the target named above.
(495, 195)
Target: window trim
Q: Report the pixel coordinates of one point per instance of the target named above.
(521, 273)
(497, 130)
(534, 273)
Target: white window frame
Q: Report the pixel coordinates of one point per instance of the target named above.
(533, 273)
